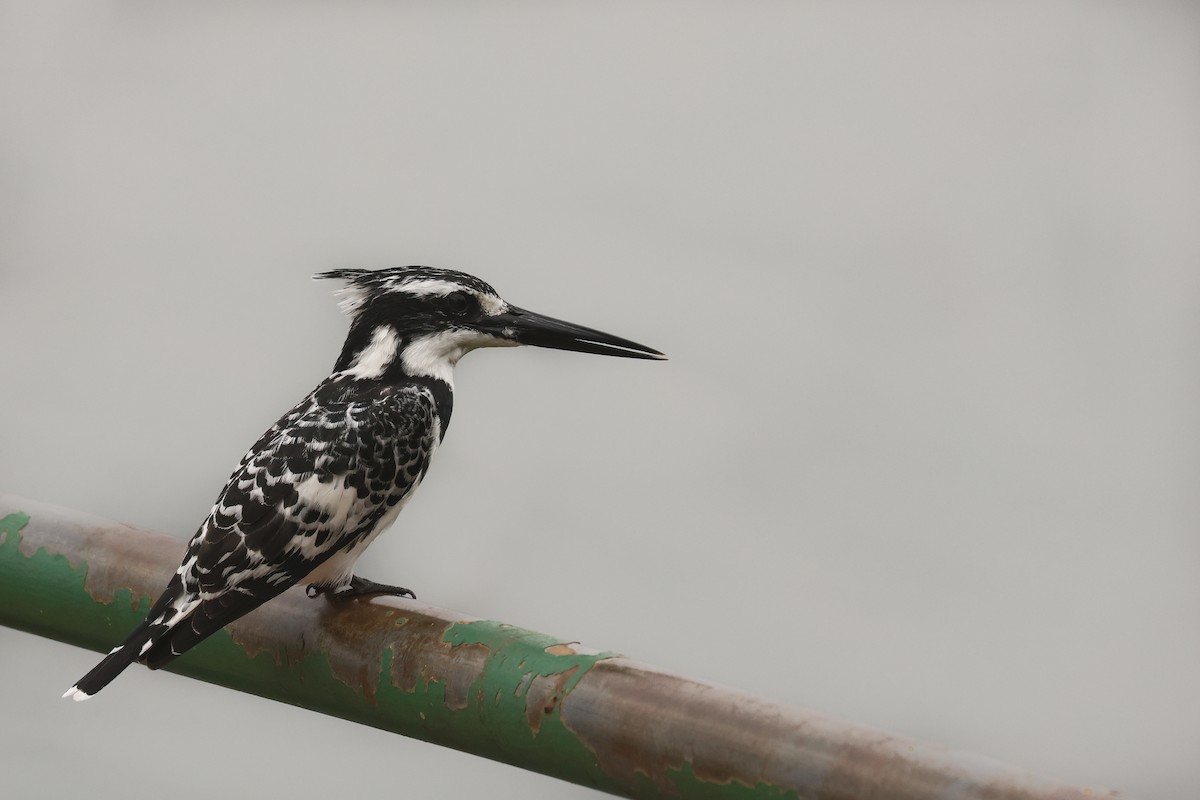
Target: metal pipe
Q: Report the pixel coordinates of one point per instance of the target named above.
(531, 700)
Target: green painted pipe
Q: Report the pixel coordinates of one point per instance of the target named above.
(524, 698)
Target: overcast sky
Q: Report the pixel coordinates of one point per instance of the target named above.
(926, 452)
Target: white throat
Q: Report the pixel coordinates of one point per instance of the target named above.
(434, 355)
(374, 359)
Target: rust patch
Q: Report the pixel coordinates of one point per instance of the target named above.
(648, 727)
(1011, 789)
(877, 765)
(280, 656)
(571, 649)
(368, 685)
(409, 667)
(421, 656)
(351, 635)
(860, 768)
(33, 538)
(283, 630)
(544, 696)
(117, 557)
(651, 727)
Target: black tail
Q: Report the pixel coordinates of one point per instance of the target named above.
(165, 636)
(114, 663)
(128, 651)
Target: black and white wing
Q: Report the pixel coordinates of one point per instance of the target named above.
(317, 486)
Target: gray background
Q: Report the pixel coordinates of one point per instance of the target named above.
(925, 455)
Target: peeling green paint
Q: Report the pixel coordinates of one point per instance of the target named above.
(44, 594)
(12, 524)
(519, 663)
(517, 652)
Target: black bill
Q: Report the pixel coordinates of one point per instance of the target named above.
(527, 327)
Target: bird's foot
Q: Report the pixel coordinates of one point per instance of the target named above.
(361, 587)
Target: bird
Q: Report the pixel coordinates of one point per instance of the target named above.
(334, 472)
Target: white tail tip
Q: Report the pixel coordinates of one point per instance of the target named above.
(77, 695)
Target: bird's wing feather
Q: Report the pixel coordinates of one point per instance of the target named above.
(314, 484)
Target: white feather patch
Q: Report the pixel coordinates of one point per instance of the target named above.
(339, 568)
(428, 287)
(351, 298)
(376, 357)
(435, 354)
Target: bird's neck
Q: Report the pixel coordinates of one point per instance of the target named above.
(380, 354)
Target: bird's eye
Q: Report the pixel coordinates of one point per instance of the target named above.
(458, 304)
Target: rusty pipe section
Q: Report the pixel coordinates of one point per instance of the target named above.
(531, 700)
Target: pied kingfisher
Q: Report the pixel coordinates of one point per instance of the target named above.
(333, 473)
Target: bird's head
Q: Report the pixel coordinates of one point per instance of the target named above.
(419, 321)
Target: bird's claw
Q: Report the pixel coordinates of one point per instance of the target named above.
(361, 587)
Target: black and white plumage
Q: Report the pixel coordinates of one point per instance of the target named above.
(333, 473)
